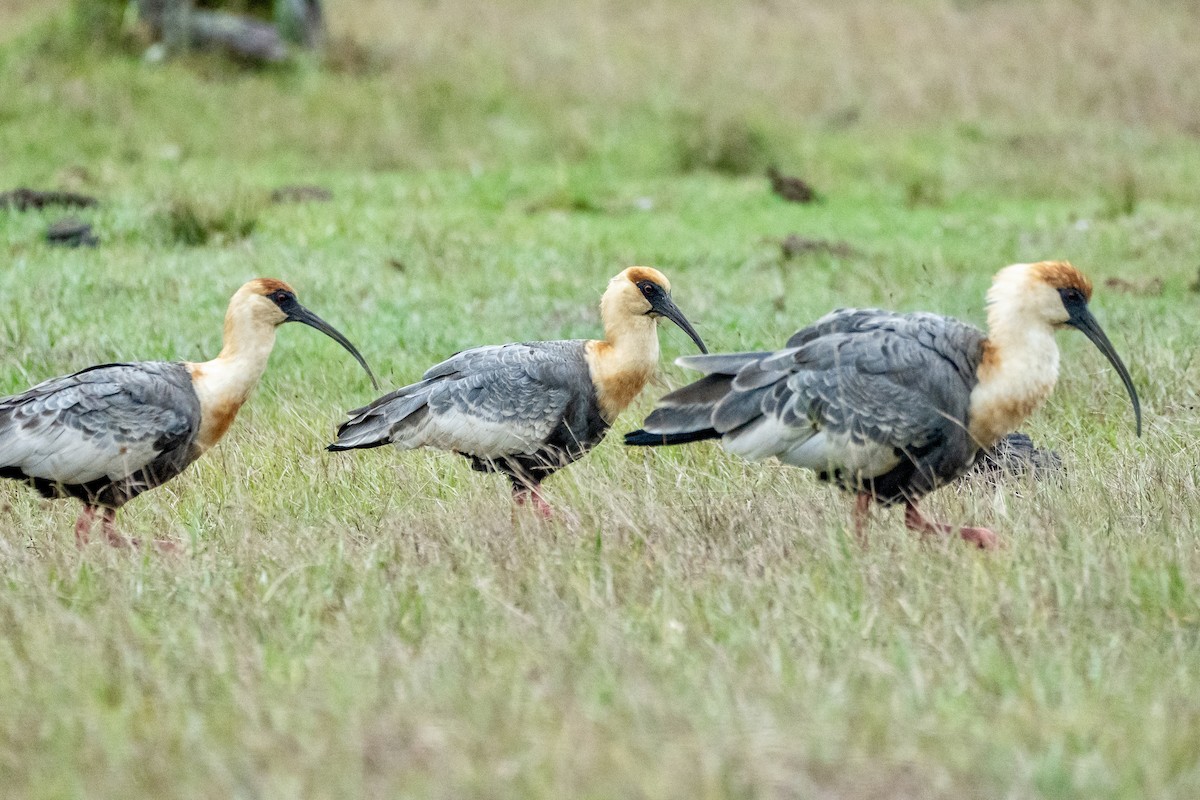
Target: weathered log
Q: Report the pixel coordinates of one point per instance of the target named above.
(242, 37)
(178, 25)
(301, 193)
(24, 199)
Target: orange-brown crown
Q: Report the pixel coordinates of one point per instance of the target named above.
(638, 274)
(265, 286)
(1061, 275)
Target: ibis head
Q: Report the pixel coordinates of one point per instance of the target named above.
(644, 292)
(1057, 294)
(270, 302)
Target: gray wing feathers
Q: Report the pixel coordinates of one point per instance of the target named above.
(849, 391)
(887, 341)
(858, 320)
(722, 363)
(489, 401)
(690, 408)
(107, 421)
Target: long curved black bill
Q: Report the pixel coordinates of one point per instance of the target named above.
(299, 313)
(666, 306)
(1082, 319)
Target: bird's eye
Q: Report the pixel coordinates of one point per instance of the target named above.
(1072, 296)
(648, 288)
(280, 296)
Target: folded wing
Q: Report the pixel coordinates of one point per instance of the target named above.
(487, 402)
(106, 422)
(857, 396)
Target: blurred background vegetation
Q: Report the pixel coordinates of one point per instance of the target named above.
(459, 172)
(654, 87)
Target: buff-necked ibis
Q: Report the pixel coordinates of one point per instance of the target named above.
(529, 409)
(110, 432)
(891, 406)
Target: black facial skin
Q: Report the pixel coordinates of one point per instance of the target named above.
(1081, 317)
(295, 312)
(662, 305)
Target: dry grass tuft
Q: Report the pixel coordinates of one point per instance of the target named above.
(195, 221)
(822, 62)
(732, 147)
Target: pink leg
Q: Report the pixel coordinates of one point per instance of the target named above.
(523, 494)
(862, 516)
(109, 525)
(83, 525)
(519, 495)
(982, 538)
(540, 504)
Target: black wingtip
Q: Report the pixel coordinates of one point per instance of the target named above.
(339, 448)
(642, 438)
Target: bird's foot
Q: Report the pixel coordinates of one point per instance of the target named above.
(110, 531)
(117, 540)
(982, 538)
(161, 545)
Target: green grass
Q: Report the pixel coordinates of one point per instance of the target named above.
(372, 624)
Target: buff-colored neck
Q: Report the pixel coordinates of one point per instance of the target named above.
(224, 383)
(626, 359)
(1018, 370)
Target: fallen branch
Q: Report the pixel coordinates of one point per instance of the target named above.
(24, 199)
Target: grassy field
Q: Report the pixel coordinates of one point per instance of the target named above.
(374, 625)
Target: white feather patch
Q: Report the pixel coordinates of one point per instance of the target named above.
(463, 433)
(65, 455)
